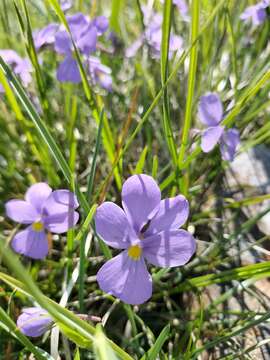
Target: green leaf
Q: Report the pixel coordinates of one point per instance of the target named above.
(191, 79)
(92, 173)
(77, 355)
(102, 348)
(117, 6)
(164, 63)
(152, 354)
(74, 336)
(141, 162)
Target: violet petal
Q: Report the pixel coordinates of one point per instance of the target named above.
(126, 279)
(33, 244)
(169, 248)
(140, 198)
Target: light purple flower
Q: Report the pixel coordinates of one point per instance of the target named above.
(21, 66)
(153, 37)
(34, 321)
(102, 24)
(42, 209)
(257, 13)
(84, 34)
(45, 36)
(211, 113)
(100, 74)
(147, 228)
(66, 4)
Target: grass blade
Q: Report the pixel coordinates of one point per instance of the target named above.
(165, 47)
(152, 354)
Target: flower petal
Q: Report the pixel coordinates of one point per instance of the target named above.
(21, 211)
(62, 44)
(59, 213)
(228, 145)
(210, 109)
(77, 24)
(169, 248)
(126, 279)
(68, 71)
(112, 225)
(101, 23)
(210, 138)
(88, 41)
(60, 198)
(45, 36)
(173, 213)
(59, 223)
(33, 244)
(140, 198)
(34, 321)
(37, 194)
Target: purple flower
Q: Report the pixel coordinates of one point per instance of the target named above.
(42, 209)
(102, 24)
(211, 113)
(66, 4)
(85, 34)
(34, 321)
(146, 229)
(153, 37)
(21, 66)
(256, 13)
(100, 73)
(45, 36)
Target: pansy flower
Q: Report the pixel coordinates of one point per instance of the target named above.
(146, 229)
(34, 321)
(42, 209)
(256, 13)
(211, 114)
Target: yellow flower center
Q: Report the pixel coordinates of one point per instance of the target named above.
(37, 226)
(135, 252)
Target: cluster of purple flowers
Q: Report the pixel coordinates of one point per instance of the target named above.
(146, 229)
(21, 66)
(152, 34)
(85, 35)
(211, 114)
(256, 13)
